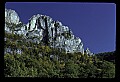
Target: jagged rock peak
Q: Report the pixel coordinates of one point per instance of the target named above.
(11, 16)
(88, 52)
(59, 36)
(42, 28)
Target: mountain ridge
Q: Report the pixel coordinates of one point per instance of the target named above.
(48, 31)
(27, 53)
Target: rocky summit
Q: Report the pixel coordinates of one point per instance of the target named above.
(42, 28)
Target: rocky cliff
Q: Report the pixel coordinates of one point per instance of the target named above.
(42, 28)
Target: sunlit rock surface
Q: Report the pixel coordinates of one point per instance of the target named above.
(42, 28)
(11, 16)
(88, 52)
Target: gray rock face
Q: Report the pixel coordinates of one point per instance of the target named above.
(54, 34)
(11, 16)
(42, 28)
(88, 52)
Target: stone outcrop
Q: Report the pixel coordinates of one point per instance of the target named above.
(42, 28)
(11, 16)
(88, 52)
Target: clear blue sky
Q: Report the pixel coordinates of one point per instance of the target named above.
(94, 23)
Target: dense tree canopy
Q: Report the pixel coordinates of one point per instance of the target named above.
(37, 60)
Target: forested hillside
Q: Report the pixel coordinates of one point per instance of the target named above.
(26, 59)
(108, 56)
(46, 48)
